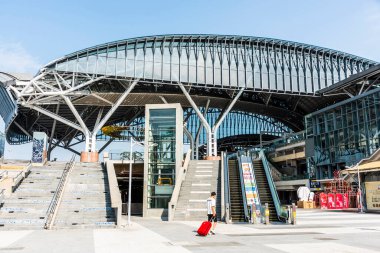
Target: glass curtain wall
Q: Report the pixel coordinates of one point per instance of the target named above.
(346, 133)
(225, 61)
(162, 157)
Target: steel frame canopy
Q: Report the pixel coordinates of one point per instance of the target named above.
(81, 92)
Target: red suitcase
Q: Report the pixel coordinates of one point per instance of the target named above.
(204, 228)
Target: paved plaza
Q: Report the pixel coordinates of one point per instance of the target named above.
(316, 231)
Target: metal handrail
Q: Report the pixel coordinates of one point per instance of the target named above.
(243, 188)
(272, 186)
(2, 196)
(227, 197)
(177, 187)
(2, 174)
(52, 210)
(17, 179)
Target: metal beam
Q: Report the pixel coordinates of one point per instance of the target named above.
(52, 134)
(68, 148)
(348, 93)
(109, 114)
(201, 117)
(22, 129)
(78, 117)
(228, 109)
(65, 92)
(106, 145)
(54, 116)
(196, 150)
(188, 134)
(100, 114)
(163, 99)
(102, 99)
(220, 120)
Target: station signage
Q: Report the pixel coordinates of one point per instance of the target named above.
(251, 191)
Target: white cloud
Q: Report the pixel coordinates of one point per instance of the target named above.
(15, 58)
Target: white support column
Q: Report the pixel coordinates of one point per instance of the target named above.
(191, 139)
(84, 130)
(52, 133)
(220, 120)
(109, 114)
(196, 141)
(201, 117)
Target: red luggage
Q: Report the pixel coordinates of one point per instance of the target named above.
(204, 228)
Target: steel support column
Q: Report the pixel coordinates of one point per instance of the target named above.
(196, 141)
(52, 134)
(109, 114)
(201, 117)
(84, 130)
(191, 139)
(222, 116)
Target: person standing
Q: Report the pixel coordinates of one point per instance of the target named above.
(211, 212)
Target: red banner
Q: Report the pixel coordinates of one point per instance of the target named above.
(323, 200)
(346, 202)
(331, 201)
(338, 201)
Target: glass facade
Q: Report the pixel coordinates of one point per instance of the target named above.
(234, 124)
(345, 133)
(161, 156)
(223, 61)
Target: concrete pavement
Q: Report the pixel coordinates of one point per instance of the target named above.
(321, 231)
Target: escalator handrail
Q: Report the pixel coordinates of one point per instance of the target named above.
(272, 186)
(246, 215)
(227, 195)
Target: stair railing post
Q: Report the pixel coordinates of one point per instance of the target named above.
(222, 185)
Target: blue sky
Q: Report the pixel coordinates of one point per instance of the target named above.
(34, 33)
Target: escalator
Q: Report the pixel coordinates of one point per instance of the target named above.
(264, 189)
(236, 198)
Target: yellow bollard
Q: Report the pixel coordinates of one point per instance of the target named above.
(253, 214)
(294, 214)
(266, 214)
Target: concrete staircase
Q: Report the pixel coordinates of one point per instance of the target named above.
(202, 178)
(86, 199)
(26, 208)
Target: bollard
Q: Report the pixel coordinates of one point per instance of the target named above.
(266, 214)
(289, 212)
(294, 214)
(253, 214)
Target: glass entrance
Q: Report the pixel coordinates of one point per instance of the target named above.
(161, 156)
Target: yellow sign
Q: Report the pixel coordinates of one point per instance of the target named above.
(373, 195)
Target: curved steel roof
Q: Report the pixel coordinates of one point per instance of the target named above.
(226, 61)
(281, 79)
